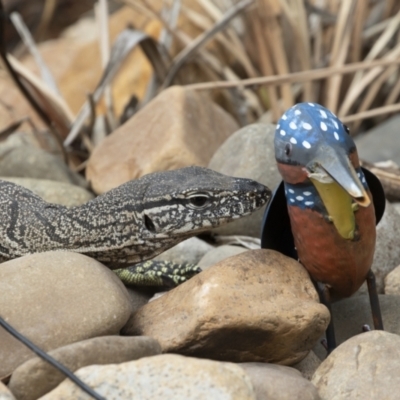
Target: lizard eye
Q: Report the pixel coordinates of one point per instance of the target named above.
(346, 128)
(199, 201)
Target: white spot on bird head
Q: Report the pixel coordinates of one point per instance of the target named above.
(336, 135)
(293, 140)
(306, 144)
(292, 200)
(293, 125)
(311, 104)
(297, 112)
(335, 123)
(282, 132)
(323, 126)
(307, 126)
(284, 117)
(308, 203)
(299, 198)
(323, 114)
(307, 193)
(291, 191)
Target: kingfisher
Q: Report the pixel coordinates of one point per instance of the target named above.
(325, 211)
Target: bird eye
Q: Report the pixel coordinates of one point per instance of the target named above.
(288, 149)
(199, 201)
(346, 128)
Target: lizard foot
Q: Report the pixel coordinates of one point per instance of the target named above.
(157, 273)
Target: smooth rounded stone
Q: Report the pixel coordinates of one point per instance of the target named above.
(36, 377)
(381, 142)
(5, 393)
(277, 382)
(396, 206)
(387, 249)
(189, 251)
(178, 128)
(256, 306)
(364, 367)
(218, 254)
(248, 153)
(349, 316)
(308, 365)
(139, 297)
(57, 298)
(65, 194)
(24, 161)
(162, 377)
(392, 282)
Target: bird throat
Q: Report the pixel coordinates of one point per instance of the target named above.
(339, 205)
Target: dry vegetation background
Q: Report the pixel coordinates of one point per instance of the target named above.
(255, 57)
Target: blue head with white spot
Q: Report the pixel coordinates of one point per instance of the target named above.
(312, 146)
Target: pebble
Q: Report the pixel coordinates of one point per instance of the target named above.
(248, 153)
(364, 367)
(5, 393)
(218, 254)
(277, 382)
(189, 251)
(392, 282)
(255, 306)
(308, 365)
(381, 142)
(26, 161)
(178, 128)
(162, 377)
(36, 377)
(350, 315)
(62, 193)
(387, 249)
(57, 298)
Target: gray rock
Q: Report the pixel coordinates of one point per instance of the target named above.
(387, 249)
(380, 143)
(57, 298)
(392, 282)
(161, 377)
(218, 254)
(62, 193)
(396, 206)
(277, 382)
(308, 365)
(349, 316)
(248, 153)
(36, 377)
(5, 394)
(190, 251)
(364, 367)
(139, 297)
(25, 161)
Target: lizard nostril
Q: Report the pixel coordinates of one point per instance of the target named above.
(148, 223)
(252, 195)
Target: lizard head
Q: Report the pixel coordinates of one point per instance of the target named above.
(194, 199)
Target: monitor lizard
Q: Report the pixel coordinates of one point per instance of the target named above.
(131, 223)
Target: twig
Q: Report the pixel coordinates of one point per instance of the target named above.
(375, 112)
(203, 38)
(303, 76)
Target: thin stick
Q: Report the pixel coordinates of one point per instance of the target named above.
(52, 361)
(303, 76)
(203, 38)
(375, 112)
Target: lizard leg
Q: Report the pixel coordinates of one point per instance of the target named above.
(157, 273)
